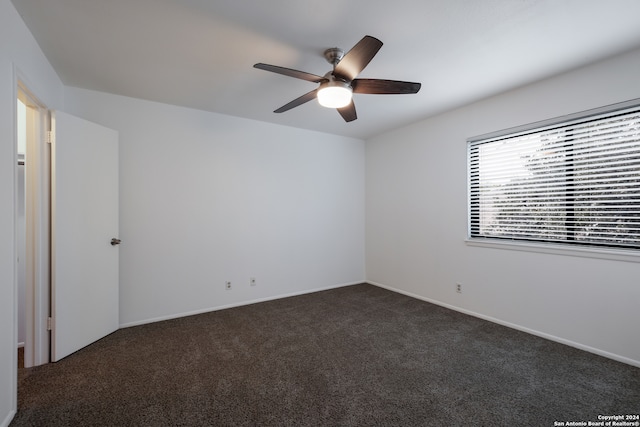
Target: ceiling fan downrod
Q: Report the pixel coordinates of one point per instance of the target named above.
(333, 55)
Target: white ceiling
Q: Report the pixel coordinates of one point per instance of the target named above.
(200, 53)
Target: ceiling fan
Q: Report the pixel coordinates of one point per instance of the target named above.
(336, 87)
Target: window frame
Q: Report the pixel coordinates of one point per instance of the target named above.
(555, 247)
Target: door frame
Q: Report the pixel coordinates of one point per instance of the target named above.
(37, 214)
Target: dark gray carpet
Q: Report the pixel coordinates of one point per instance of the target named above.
(354, 356)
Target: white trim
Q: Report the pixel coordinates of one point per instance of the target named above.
(574, 344)
(238, 304)
(556, 249)
(13, 406)
(8, 419)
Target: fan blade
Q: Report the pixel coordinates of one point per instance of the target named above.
(354, 61)
(290, 72)
(379, 87)
(348, 113)
(298, 101)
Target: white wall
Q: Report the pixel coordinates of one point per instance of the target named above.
(18, 51)
(416, 202)
(206, 198)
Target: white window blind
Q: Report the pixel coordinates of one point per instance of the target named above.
(576, 182)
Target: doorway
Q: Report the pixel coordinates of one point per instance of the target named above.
(32, 227)
(67, 267)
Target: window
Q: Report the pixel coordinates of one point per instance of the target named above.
(571, 181)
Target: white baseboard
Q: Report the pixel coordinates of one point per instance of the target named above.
(8, 419)
(560, 340)
(238, 304)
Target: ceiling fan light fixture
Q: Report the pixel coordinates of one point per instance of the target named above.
(336, 87)
(335, 94)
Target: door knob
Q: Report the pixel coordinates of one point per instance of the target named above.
(115, 241)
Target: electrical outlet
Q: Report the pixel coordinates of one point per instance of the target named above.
(459, 288)
(227, 285)
(252, 281)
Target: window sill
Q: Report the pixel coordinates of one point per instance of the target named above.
(626, 255)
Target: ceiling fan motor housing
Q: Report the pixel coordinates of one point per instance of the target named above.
(333, 55)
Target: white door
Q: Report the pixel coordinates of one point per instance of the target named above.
(84, 220)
